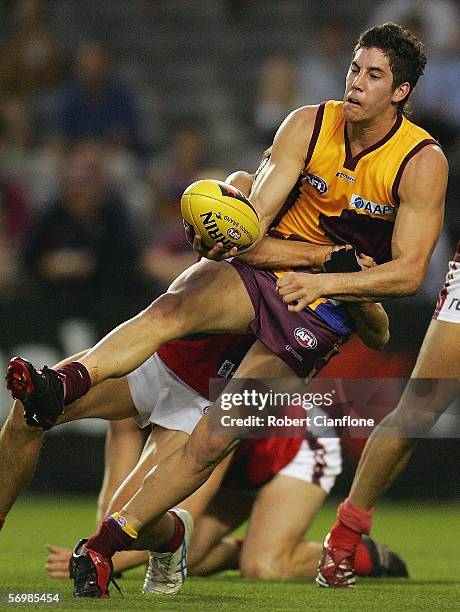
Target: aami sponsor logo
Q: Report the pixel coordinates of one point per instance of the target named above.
(305, 338)
(360, 203)
(317, 182)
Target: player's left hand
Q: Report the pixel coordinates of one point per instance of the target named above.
(57, 563)
(298, 289)
(217, 253)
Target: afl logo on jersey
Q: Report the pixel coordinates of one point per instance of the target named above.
(305, 338)
(317, 182)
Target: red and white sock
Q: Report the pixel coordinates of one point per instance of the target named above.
(352, 522)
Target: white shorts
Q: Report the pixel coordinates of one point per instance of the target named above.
(161, 398)
(318, 461)
(448, 306)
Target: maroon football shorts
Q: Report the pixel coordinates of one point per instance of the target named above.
(302, 339)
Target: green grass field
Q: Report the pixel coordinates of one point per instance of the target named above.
(428, 537)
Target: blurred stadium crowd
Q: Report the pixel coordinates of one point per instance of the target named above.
(110, 109)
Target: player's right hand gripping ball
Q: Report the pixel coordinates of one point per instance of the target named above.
(220, 213)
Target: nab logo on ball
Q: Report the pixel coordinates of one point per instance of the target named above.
(305, 338)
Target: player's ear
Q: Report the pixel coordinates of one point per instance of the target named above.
(401, 92)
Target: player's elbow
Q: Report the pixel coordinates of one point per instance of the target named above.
(376, 340)
(411, 286)
(412, 279)
(379, 341)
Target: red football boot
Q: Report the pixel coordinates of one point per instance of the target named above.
(91, 573)
(40, 391)
(335, 568)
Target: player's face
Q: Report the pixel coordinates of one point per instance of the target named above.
(369, 91)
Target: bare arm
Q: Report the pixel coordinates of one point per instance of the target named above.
(272, 253)
(277, 178)
(416, 232)
(287, 160)
(268, 193)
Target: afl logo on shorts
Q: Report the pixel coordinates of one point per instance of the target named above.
(317, 182)
(305, 338)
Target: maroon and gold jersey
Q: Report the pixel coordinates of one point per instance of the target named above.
(340, 198)
(344, 199)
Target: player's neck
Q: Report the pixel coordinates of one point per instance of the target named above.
(362, 135)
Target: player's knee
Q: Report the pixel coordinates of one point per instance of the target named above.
(413, 422)
(17, 428)
(264, 567)
(167, 312)
(418, 417)
(201, 455)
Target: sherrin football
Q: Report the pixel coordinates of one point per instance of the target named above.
(220, 213)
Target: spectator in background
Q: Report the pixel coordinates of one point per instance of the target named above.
(83, 243)
(17, 136)
(36, 165)
(322, 66)
(167, 252)
(33, 60)
(14, 222)
(439, 19)
(95, 105)
(172, 172)
(437, 104)
(277, 96)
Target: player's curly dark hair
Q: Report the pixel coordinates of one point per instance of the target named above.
(404, 52)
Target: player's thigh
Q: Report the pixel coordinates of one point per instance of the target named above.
(227, 510)
(213, 298)
(160, 444)
(123, 446)
(439, 356)
(283, 511)
(124, 442)
(110, 400)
